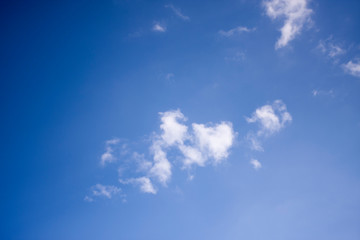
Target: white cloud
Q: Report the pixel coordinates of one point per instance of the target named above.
(214, 142)
(108, 155)
(162, 167)
(157, 27)
(173, 131)
(295, 14)
(107, 191)
(144, 182)
(143, 164)
(178, 12)
(256, 164)
(270, 119)
(236, 30)
(352, 68)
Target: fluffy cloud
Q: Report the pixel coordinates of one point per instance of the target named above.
(236, 30)
(178, 12)
(270, 119)
(295, 14)
(157, 27)
(352, 68)
(108, 156)
(256, 164)
(214, 142)
(197, 146)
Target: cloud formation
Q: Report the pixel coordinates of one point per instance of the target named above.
(295, 14)
(234, 31)
(270, 120)
(352, 68)
(202, 144)
(178, 12)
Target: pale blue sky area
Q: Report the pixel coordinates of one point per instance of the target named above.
(133, 119)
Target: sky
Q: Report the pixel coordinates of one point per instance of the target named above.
(133, 119)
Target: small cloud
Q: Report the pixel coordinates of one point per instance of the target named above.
(104, 191)
(270, 119)
(88, 199)
(144, 183)
(108, 155)
(256, 164)
(169, 76)
(352, 68)
(316, 93)
(330, 48)
(295, 14)
(157, 27)
(178, 12)
(236, 30)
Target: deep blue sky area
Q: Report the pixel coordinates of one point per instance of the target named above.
(92, 94)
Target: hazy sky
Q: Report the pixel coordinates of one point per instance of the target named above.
(132, 119)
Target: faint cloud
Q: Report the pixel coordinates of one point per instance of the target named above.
(352, 68)
(317, 92)
(331, 49)
(158, 27)
(236, 30)
(237, 57)
(256, 164)
(178, 12)
(295, 14)
(104, 191)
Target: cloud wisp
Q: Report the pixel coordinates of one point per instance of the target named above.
(104, 191)
(256, 164)
(236, 30)
(178, 12)
(295, 14)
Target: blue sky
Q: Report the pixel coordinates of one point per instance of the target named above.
(180, 120)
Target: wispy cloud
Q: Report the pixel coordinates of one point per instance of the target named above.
(158, 27)
(318, 92)
(105, 191)
(236, 30)
(144, 183)
(330, 48)
(295, 14)
(108, 155)
(352, 67)
(256, 164)
(178, 12)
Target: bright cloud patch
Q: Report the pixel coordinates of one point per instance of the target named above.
(157, 27)
(196, 146)
(270, 119)
(352, 68)
(295, 14)
(256, 164)
(186, 146)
